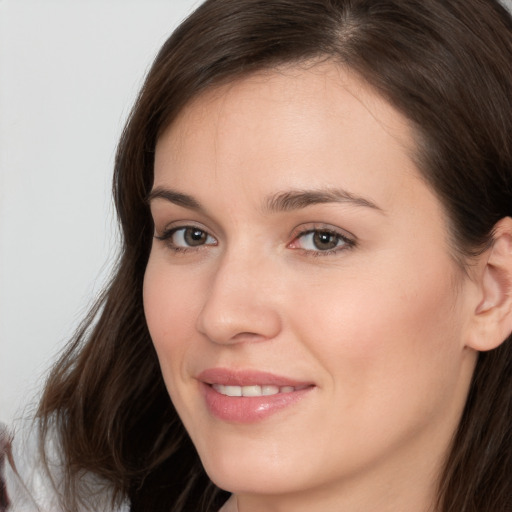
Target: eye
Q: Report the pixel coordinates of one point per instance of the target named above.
(321, 241)
(187, 237)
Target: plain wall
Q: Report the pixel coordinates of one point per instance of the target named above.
(69, 72)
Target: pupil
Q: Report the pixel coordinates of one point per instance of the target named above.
(195, 236)
(324, 240)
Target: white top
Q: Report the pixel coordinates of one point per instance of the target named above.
(31, 489)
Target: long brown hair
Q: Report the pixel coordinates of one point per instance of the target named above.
(446, 65)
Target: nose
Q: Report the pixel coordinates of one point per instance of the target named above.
(241, 304)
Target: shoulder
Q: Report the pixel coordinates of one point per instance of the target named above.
(30, 486)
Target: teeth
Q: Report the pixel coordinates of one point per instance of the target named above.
(251, 390)
(233, 390)
(269, 390)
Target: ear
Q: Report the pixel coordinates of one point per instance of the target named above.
(493, 314)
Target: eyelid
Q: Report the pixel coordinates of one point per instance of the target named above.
(181, 224)
(349, 239)
(171, 229)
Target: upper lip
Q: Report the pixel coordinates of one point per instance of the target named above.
(230, 377)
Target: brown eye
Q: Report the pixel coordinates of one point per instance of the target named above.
(324, 240)
(194, 237)
(318, 241)
(188, 237)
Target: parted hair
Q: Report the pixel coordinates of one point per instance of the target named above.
(446, 65)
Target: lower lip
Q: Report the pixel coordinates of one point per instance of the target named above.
(250, 409)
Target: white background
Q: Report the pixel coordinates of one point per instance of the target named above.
(69, 72)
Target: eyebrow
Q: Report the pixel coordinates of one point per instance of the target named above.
(297, 199)
(280, 202)
(174, 197)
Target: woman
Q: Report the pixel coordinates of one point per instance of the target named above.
(315, 198)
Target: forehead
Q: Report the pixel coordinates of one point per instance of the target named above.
(308, 89)
(284, 120)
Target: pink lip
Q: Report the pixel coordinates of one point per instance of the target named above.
(246, 378)
(248, 409)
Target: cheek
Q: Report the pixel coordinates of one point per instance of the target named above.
(390, 340)
(169, 308)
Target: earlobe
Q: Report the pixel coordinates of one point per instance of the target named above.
(493, 314)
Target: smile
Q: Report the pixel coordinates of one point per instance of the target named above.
(264, 390)
(249, 396)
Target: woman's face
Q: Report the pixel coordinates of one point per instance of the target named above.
(300, 261)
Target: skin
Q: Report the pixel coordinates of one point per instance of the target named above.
(381, 325)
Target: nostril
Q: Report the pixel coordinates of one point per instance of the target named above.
(249, 336)
(233, 328)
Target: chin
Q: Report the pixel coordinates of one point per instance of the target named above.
(256, 471)
(255, 481)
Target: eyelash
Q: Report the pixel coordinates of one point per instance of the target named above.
(347, 243)
(168, 234)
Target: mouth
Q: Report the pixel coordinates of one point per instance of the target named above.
(254, 390)
(248, 396)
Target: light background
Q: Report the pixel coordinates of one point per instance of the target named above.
(69, 72)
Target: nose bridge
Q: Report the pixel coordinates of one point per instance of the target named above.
(239, 304)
